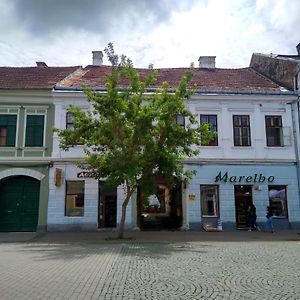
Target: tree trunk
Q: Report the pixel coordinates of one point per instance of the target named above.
(123, 217)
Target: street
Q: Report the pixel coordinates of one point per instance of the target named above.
(150, 270)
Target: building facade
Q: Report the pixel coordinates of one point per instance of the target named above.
(26, 121)
(252, 159)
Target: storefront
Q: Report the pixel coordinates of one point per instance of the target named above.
(223, 192)
(79, 202)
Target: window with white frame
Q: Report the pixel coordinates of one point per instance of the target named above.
(211, 120)
(241, 130)
(209, 200)
(274, 132)
(69, 121)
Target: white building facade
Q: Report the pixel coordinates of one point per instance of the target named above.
(252, 160)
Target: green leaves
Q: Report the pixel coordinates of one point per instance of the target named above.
(131, 137)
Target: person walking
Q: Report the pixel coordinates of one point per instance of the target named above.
(269, 222)
(251, 218)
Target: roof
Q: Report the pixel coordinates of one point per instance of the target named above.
(244, 79)
(33, 77)
(282, 69)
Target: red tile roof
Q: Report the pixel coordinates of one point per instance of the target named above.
(32, 77)
(205, 79)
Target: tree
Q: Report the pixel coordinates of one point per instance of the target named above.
(131, 136)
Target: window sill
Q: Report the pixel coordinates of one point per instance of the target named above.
(8, 148)
(242, 147)
(207, 146)
(32, 148)
(276, 147)
(204, 216)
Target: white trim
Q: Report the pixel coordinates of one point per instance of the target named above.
(35, 107)
(200, 108)
(21, 171)
(33, 114)
(272, 109)
(240, 109)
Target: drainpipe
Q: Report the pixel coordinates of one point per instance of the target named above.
(296, 135)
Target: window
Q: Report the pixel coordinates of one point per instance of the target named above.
(34, 131)
(74, 199)
(69, 121)
(8, 130)
(278, 200)
(241, 130)
(274, 131)
(211, 120)
(209, 200)
(180, 120)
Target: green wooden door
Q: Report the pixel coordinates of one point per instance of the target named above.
(19, 204)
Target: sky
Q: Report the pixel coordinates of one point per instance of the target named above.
(166, 33)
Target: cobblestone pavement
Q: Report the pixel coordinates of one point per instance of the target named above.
(133, 270)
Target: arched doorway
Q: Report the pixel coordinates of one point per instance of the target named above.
(162, 210)
(19, 203)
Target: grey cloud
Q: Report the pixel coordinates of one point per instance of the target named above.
(43, 17)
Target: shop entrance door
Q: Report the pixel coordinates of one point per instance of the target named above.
(107, 216)
(243, 198)
(161, 210)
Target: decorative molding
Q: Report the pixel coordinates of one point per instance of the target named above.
(21, 171)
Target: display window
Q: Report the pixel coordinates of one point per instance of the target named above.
(278, 200)
(209, 200)
(74, 199)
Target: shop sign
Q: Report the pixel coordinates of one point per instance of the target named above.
(58, 177)
(84, 174)
(256, 178)
(192, 197)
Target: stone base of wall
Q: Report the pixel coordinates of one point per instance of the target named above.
(279, 224)
(81, 227)
(295, 225)
(73, 227)
(41, 228)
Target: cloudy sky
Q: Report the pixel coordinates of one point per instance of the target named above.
(167, 33)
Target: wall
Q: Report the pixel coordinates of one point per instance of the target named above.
(206, 174)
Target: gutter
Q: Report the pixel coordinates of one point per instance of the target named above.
(197, 91)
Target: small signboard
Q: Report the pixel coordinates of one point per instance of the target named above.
(192, 197)
(58, 177)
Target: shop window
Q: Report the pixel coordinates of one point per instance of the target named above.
(211, 120)
(69, 121)
(8, 130)
(34, 131)
(74, 199)
(158, 202)
(278, 200)
(209, 200)
(241, 130)
(274, 132)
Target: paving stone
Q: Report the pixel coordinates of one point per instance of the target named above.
(194, 270)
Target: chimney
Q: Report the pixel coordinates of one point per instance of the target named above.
(41, 64)
(208, 62)
(298, 49)
(97, 58)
